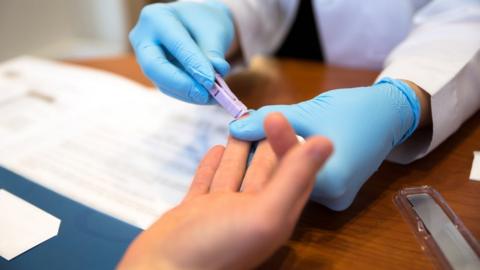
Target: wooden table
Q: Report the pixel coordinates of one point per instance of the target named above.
(371, 234)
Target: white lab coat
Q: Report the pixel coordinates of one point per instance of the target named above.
(435, 44)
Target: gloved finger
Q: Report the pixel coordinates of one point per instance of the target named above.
(251, 128)
(169, 78)
(219, 63)
(176, 39)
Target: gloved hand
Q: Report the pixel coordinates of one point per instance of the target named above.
(363, 123)
(179, 45)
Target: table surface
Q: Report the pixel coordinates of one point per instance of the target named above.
(371, 233)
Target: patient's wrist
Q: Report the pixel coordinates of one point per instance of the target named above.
(424, 100)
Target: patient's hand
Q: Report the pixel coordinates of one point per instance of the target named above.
(233, 218)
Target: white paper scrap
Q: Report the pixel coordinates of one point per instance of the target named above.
(475, 172)
(23, 225)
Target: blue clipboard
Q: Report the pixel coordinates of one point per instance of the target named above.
(87, 239)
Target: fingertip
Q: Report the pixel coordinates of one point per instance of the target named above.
(131, 36)
(219, 64)
(216, 152)
(217, 148)
(319, 148)
(275, 121)
(213, 155)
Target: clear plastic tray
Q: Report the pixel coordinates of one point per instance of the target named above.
(441, 233)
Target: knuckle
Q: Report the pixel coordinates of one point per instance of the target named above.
(176, 77)
(149, 71)
(131, 37)
(145, 13)
(155, 13)
(137, 40)
(178, 86)
(151, 11)
(149, 67)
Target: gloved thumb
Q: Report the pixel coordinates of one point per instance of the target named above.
(250, 128)
(219, 63)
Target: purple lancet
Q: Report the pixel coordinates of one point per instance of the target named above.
(227, 99)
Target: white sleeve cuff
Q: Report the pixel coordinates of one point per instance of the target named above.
(454, 98)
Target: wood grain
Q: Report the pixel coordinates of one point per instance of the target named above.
(371, 234)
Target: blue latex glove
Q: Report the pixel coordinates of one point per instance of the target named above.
(363, 123)
(179, 45)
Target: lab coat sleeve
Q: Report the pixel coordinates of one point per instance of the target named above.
(262, 24)
(442, 56)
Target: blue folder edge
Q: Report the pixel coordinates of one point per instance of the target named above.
(87, 239)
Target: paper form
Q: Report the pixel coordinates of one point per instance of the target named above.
(102, 140)
(17, 232)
